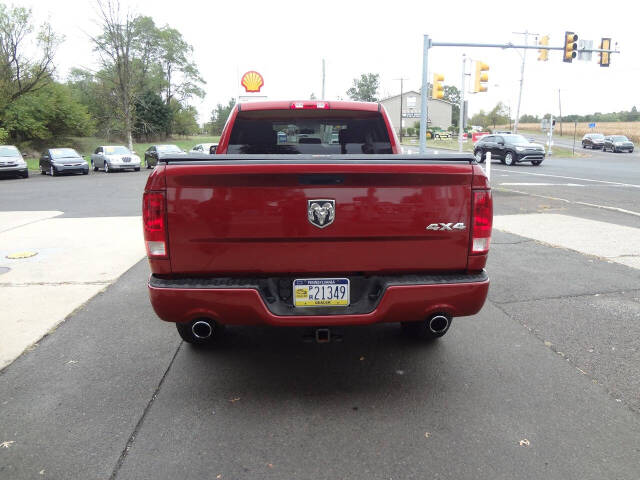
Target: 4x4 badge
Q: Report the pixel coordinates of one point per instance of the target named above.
(446, 226)
(321, 212)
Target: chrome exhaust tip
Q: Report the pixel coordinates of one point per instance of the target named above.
(202, 329)
(439, 323)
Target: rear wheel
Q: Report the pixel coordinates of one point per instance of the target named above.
(95, 167)
(106, 167)
(25, 174)
(137, 169)
(52, 171)
(535, 163)
(479, 156)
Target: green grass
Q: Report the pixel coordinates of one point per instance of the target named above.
(445, 144)
(85, 146)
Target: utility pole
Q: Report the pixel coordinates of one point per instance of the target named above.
(423, 97)
(560, 107)
(322, 97)
(524, 58)
(549, 151)
(461, 119)
(401, 94)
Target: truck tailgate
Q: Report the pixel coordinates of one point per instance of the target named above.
(243, 218)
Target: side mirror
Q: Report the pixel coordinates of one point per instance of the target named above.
(24, 154)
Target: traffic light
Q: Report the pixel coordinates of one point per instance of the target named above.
(438, 89)
(480, 83)
(605, 44)
(543, 53)
(570, 46)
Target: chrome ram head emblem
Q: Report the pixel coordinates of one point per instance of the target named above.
(321, 212)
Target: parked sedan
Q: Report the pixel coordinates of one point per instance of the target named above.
(509, 149)
(11, 162)
(114, 157)
(204, 148)
(56, 161)
(154, 151)
(617, 143)
(593, 140)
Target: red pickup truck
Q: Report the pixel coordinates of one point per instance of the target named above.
(309, 215)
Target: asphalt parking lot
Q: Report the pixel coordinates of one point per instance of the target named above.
(543, 383)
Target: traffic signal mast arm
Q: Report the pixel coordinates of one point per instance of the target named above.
(511, 45)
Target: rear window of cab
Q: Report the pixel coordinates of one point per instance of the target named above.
(309, 132)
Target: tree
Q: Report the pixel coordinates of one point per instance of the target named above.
(365, 89)
(182, 78)
(47, 113)
(452, 95)
(220, 115)
(115, 47)
(499, 115)
(21, 71)
(153, 117)
(185, 120)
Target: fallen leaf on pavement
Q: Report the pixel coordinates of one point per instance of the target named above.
(361, 358)
(524, 442)
(234, 400)
(7, 444)
(427, 434)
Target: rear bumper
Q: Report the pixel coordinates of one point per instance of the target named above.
(404, 298)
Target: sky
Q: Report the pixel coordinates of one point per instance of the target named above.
(287, 41)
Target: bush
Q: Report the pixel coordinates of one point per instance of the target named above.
(411, 131)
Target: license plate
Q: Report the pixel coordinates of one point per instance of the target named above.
(321, 292)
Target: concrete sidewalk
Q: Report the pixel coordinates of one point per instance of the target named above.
(67, 261)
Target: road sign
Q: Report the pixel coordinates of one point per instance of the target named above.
(592, 125)
(584, 45)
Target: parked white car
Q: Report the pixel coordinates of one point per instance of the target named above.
(204, 148)
(114, 157)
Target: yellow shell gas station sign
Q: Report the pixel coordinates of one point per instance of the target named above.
(252, 81)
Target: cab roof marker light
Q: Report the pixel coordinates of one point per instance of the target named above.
(309, 106)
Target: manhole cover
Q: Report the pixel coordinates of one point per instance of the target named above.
(4, 270)
(18, 255)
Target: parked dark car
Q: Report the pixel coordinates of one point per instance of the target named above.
(617, 143)
(593, 140)
(11, 162)
(56, 161)
(152, 153)
(509, 149)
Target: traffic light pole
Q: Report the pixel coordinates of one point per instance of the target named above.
(425, 58)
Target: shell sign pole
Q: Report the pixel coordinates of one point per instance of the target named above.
(252, 81)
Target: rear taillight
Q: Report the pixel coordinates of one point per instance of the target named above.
(482, 221)
(155, 224)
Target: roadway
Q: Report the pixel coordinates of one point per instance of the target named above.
(543, 383)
